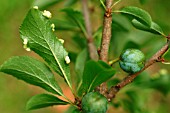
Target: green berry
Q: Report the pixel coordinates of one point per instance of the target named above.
(94, 102)
(132, 60)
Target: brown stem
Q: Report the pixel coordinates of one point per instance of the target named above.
(106, 36)
(155, 58)
(92, 49)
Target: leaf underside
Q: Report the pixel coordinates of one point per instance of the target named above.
(139, 14)
(155, 28)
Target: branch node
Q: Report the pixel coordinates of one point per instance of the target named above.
(108, 13)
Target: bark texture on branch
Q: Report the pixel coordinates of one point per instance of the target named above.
(92, 48)
(106, 35)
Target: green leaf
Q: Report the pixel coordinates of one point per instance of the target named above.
(113, 82)
(43, 4)
(94, 74)
(166, 55)
(154, 28)
(138, 14)
(44, 100)
(72, 109)
(70, 2)
(120, 23)
(80, 62)
(79, 65)
(32, 71)
(98, 37)
(79, 41)
(37, 30)
(131, 44)
(162, 83)
(143, 1)
(137, 101)
(65, 25)
(76, 17)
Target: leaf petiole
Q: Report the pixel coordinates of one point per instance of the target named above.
(166, 63)
(114, 61)
(115, 3)
(101, 1)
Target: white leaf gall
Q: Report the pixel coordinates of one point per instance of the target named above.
(47, 14)
(61, 40)
(35, 7)
(67, 59)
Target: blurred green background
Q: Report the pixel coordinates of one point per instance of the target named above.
(15, 93)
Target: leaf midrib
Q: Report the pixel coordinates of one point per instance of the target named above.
(53, 53)
(95, 79)
(37, 78)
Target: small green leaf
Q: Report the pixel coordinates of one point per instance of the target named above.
(44, 100)
(154, 28)
(32, 71)
(37, 30)
(80, 42)
(80, 62)
(72, 109)
(120, 23)
(65, 25)
(79, 65)
(131, 44)
(43, 4)
(166, 55)
(113, 82)
(143, 1)
(138, 14)
(76, 17)
(94, 74)
(98, 37)
(70, 2)
(161, 83)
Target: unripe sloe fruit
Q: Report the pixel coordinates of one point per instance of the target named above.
(94, 102)
(132, 60)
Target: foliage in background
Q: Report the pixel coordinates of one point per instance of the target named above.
(158, 81)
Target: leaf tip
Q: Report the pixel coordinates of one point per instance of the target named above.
(0, 68)
(28, 107)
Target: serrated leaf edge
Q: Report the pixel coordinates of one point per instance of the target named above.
(30, 108)
(31, 75)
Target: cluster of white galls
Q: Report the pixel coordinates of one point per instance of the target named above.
(47, 14)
